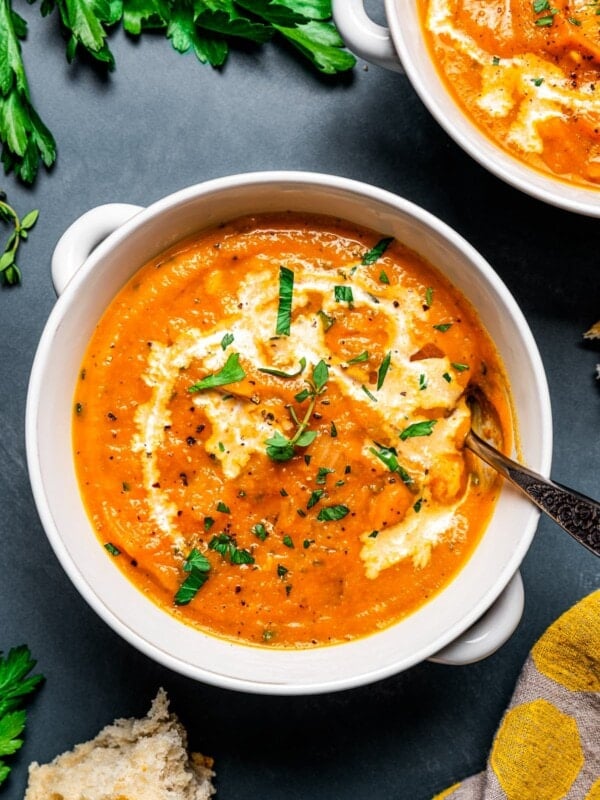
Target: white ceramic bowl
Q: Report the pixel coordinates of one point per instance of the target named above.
(402, 46)
(88, 276)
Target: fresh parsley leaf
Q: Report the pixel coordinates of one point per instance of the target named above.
(443, 327)
(371, 256)
(231, 372)
(429, 297)
(326, 320)
(333, 513)
(343, 294)
(383, 277)
(459, 367)
(15, 685)
(287, 541)
(364, 356)
(190, 587)
(25, 139)
(383, 370)
(284, 310)
(223, 508)
(225, 545)
(424, 428)
(321, 43)
(389, 456)
(260, 531)
(320, 375)
(114, 551)
(281, 571)
(322, 474)
(227, 340)
(279, 373)
(315, 497)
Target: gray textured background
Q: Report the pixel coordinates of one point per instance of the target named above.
(162, 122)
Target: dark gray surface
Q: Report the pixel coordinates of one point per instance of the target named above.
(162, 122)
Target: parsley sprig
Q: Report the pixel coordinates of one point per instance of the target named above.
(15, 684)
(25, 139)
(206, 28)
(279, 447)
(10, 274)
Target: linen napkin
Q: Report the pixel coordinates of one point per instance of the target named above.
(548, 744)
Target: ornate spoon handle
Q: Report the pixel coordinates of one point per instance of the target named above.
(577, 514)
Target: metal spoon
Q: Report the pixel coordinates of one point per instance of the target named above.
(577, 514)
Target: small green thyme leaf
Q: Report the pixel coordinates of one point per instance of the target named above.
(333, 513)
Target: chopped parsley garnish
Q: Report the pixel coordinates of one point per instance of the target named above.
(227, 549)
(447, 377)
(343, 294)
(537, 81)
(364, 356)
(495, 61)
(459, 367)
(424, 428)
(540, 5)
(227, 340)
(572, 21)
(429, 297)
(315, 497)
(198, 567)
(282, 571)
(287, 540)
(418, 504)
(223, 508)
(208, 523)
(443, 327)
(332, 430)
(260, 531)
(373, 534)
(332, 513)
(279, 373)
(112, 549)
(369, 394)
(383, 277)
(371, 256)
(322, 474)
(389, 456)
(326, 320)
(422, 381)
(307, 543)
(383, 370)
(126, 486)
(230, 373)
(284, 310)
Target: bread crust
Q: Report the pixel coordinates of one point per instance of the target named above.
(131, 759)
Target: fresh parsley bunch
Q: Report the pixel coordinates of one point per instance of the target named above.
(207, 28)
(15, 685)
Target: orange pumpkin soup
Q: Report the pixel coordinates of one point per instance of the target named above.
(527, 72)
(268, 431)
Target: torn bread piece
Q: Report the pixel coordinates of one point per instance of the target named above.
(132, 759)
(594, 333)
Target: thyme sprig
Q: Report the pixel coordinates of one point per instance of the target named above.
(10, 274)
(282, 448)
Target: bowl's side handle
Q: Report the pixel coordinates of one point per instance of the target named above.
(83, 235)
(363, 36)
(490, 631)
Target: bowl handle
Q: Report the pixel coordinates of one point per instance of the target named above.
(82, 236)
(363, 36)
(490, 631)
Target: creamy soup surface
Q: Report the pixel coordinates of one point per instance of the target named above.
(527, 73)
(268, 431)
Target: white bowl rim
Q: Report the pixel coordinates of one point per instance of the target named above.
(322, 182)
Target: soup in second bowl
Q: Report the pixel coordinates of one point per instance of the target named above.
(527, 74)
(268, 430)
